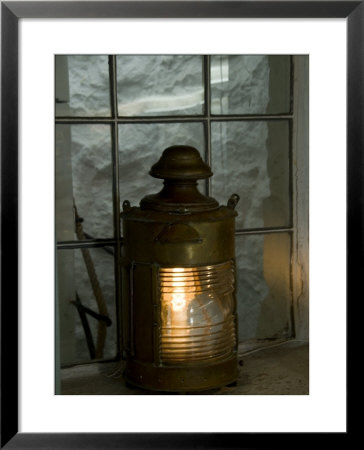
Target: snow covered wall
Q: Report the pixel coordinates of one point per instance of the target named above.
(248, 157)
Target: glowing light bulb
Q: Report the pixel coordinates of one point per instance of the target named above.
(178, 302)
(178, 298)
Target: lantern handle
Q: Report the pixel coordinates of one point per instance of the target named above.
(233, 201)
(126, 205)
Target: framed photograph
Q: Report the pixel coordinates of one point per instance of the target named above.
(93, 80)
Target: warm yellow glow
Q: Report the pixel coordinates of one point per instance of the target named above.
(196, 312)
(178, 299)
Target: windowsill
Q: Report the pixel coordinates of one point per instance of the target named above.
(265, 368)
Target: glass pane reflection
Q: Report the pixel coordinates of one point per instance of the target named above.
(82, 85)
(251, 158)
(159, 85)
(250, 84)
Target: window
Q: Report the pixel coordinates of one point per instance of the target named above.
(246, 114)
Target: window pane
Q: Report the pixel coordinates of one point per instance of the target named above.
(82, 86)
(263, 286)
(87, 277)
(83, 177)
(251, 159)
(159, 85)
(250, 84)
(141, 145)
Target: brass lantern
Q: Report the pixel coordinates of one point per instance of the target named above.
(180, 321)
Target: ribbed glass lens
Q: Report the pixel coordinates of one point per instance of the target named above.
(197, 313)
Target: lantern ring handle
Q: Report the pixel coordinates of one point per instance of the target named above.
(126, 205)
(233, 201)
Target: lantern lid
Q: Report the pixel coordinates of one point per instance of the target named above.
(181, 162)
(180, 166)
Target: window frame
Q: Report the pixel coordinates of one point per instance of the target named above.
(298, 184)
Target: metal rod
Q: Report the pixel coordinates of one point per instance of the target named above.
(113, 87)
(87, 243)
(264, 231)
(95, 243)
(108, 250)
(241, 117)
(171, 119)
(290, 171)
(86, 327)
(116, 198)
(131, 309)
(207, 118)
(156, 299)
(292, 192)
(95, 315)
(291, 86)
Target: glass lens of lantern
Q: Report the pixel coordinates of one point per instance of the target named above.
(197, 312)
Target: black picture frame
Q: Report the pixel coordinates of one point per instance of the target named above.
(11, 13)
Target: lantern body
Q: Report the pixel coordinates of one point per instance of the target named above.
(179, 307)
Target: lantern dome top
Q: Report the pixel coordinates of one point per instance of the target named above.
(180, 166)
(180, 162)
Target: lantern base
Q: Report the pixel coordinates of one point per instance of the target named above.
(186, 378)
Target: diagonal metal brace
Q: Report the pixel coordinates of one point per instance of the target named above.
(90, 312)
